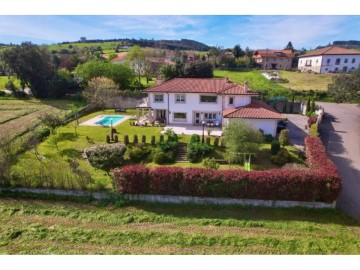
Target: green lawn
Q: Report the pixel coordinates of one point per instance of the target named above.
(306, 81)
(256, 81)
(53, 227)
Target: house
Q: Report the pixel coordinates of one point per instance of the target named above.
(329, 60)
(274, 59)
(212, 102)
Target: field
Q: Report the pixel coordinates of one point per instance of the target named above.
(107, 47)
(306, 81)
(53, 227)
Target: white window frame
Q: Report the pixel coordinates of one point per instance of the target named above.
(157, 101)
(180, 119)
(308, 62)
(180, 98)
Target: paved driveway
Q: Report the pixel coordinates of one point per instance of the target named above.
(340, 131)
(296, 126)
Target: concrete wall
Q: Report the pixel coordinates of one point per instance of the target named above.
(319, 64)
(315, 65)
(238, 101)
(267, 125)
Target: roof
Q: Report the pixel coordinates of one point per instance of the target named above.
(196, 85)
(333, 50)
(255, 110)
(273, 53)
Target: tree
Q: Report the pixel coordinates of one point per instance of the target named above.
(136, 56)
(33, 65)
(198, 69)
(240, 138)
(289, 46)
(345, 88)
(61, 83)
(121, 74)
(99, 91)
(168, 72)
(51, 120)
(307, 109)
(238, 52)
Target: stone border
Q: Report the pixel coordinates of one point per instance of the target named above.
(179, 199)
(92, 121)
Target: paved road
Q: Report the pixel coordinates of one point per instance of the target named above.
(296, 125)
(340, 131)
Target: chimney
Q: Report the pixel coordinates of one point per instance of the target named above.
(246, 86)
(158, 80)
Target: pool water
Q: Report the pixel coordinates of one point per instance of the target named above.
(108, 120)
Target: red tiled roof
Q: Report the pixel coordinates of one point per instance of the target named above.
(333, 50)
(273, 53)
(255, 110)
(197, 85)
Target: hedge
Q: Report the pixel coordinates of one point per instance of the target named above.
(320, 183)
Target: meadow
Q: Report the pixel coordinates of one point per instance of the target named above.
(107, 47)
(306, 81)
(52, 227)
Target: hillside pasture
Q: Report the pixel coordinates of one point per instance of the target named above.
(107, 47)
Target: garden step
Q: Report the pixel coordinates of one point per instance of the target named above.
(181, 152)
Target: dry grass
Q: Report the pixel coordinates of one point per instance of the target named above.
(305, 81)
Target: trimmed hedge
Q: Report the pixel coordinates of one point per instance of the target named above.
(320, 183)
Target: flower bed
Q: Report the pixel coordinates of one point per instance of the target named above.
(320, 183)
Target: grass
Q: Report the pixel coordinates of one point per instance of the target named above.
(107, 47)
(306, 81)
(52, 227)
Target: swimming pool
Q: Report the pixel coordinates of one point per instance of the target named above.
(109, 120)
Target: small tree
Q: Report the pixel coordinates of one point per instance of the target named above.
(240, 137)
(307, 110)
(51, 120)
(99, 91)
(312, 106)
(284, 137)
(210, 163)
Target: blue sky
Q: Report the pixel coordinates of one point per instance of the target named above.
(254, 31)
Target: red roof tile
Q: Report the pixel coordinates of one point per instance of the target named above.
(333, 50)
(197, 85)
(255, 110)
(273, 53)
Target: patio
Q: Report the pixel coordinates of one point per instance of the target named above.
(190, 130)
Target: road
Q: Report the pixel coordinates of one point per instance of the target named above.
(340, 132)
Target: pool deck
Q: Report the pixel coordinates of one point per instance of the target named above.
(92, 121)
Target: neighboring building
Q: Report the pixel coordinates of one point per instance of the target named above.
(274, 59)
(329, 60)
(215, 102)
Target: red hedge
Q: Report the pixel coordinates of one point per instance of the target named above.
(320, 183)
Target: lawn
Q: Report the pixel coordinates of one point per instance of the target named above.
(256, 81)
(305, 81)
(53, 227)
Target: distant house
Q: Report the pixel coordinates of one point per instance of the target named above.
(214, 102)
(274, 59)
(329, 60)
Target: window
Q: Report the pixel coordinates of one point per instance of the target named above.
(353, 60)
(346, 60)
(328, 61)
(180, 99)
(158, 98)
(344, 69)
(308, 63)
(178, 116)
(337, 62)
(317, 61)
(210, 116)
(208, 99)
(231, 101)
(336, 69)
(300, 62)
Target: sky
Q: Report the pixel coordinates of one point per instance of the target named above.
(255, 32)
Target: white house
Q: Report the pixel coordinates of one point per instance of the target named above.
(330, 60)
(214, 102)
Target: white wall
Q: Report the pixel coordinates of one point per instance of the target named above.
(238, 101)
(315, 64)
(267, 125)
(331, 66)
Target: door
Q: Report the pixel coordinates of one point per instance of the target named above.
(197, 118)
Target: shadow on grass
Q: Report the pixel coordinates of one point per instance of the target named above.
(71, 153)
(325, 216)
(67, 136)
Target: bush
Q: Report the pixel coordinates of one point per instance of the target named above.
(216, 141)
(275, 147)
(161, 138)
(210, 163)
(311, 120)
(143, 139)
(161, 157)
(284, 137)
(207, 140)
(135, 140)
(116, 138)
(126, 139)
(153, 140)
(194, 138)
(106, 157)
(320, 183)
(268, 138)
(314, 131)
(108, 138)
(197, 150)
(138, 154)
(282, 157)
(42, 134)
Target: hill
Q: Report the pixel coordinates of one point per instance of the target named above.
(348, 44)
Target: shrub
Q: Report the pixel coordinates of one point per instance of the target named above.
(153, 140)
(197, 150)
(307, 109)
(132, 179)
(194, 138)
(108, 138)
(268, 138)
(161, 157)
(137, 154)
(210, 163)
(282, 157)
(51, 120)
(116, 138)
(216, 141)
(106, 157)
(284, 137)
(314, 131)
(207, 140)
(311, 120)
(135, 140)
(42, 134)
(143, 139)
(275, 147)
(167, 146)
(126, 139)
(161, 138)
